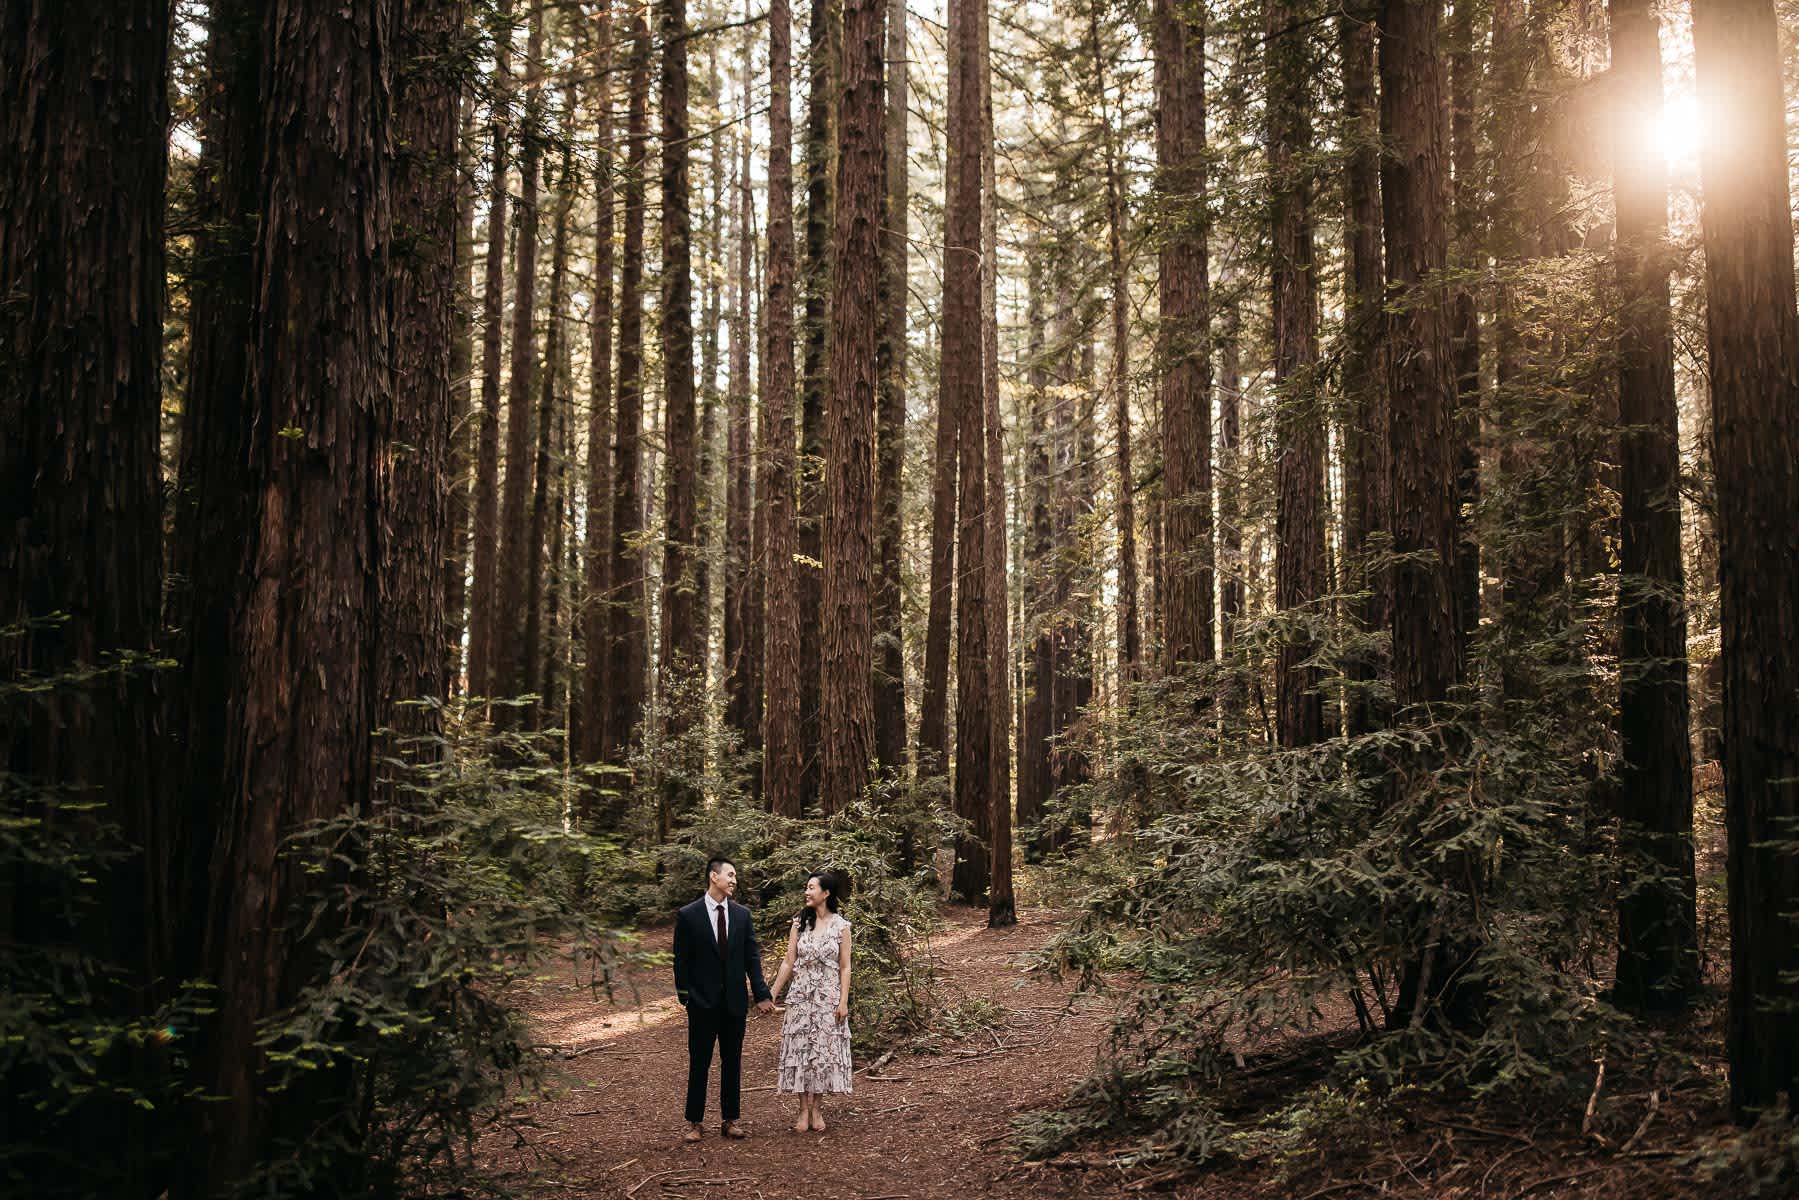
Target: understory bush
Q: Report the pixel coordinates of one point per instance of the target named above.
(1426, 906)
(467, 882)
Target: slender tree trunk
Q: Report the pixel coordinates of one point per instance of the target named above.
(933, 705)
(890, 428)
(706, 508)
(846, 689)
(83, 118)
(627, 673)
(1041, 563)
(1230, 463)
(962, 394)
(1299, 567)
(303, 699)
(546, 504)
(1752, 334)
(1464, 333)
(1185, 353)
(595, 610)
(1658, 961)
(740, 564)
(212, 515)
(516, 556)
(1001, 908)
(462, 425)
(678, 658)
(1130, 638)
(484, 596)
(1364, 371)
(815, 280)
(783, 761)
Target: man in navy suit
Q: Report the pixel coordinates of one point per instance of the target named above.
(715, 956)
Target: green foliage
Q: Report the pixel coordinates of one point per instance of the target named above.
(80, 1047)
(463, 886)
(1261, 898)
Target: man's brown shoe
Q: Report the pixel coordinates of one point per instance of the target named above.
(732, 1129)
(694, 1132)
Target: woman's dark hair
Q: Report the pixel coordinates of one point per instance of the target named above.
(837, 887)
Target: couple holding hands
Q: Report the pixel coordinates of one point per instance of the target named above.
(718, 963)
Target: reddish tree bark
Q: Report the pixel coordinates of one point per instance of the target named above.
(596, 571)
(484, 590)
(890, 428)
(1752, 335)
(782, 754)
(1299, 566)
(1186, 361)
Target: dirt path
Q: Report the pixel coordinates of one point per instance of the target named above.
(924, 1126)
(935, 1126)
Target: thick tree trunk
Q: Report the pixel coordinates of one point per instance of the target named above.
(596, 570)
(1185, 351)
(933, 704)
(627, 673)
(1364, 371)
(783, 761)
(1427, 656)
(1658, 961)
(890, 426)
(304, 692)
(485, 588)
(1299, 420)
(1752, 334)
(962, 392)
(846, 687)
(416, 480)
(82, 273)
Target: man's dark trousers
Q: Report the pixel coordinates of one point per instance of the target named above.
(704, 1027)
(715, 984)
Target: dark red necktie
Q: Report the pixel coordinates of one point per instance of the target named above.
(720, 910)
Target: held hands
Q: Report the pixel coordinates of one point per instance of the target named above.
(765, 1006)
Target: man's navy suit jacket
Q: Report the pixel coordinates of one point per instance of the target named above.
(705, 978)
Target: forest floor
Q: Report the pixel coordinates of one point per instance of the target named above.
(938, 1124)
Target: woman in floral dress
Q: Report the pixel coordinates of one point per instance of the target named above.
(815, 1033)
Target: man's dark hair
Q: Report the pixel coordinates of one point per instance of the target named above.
(715, 862)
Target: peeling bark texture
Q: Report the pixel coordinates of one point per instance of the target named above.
(1752, 334)
(304, 691)
(416, 482)
(846, 695)
(81, 309)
